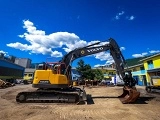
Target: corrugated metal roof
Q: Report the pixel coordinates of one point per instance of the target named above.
(5, 63)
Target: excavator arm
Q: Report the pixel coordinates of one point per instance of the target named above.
(111, 46)
(84, 51)
(129, 90)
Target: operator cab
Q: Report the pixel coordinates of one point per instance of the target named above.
(56, 67)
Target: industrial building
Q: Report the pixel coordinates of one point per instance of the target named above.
(9, 71)
(25, 62)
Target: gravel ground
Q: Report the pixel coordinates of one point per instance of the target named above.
(102, 104)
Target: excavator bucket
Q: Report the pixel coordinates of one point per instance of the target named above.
(130, 95)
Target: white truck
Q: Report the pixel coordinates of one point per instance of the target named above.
(116, 80)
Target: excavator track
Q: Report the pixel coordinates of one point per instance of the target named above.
(71, 96)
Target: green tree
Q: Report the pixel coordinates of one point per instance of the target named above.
(87, 72)
(84, 69)
(98, 74)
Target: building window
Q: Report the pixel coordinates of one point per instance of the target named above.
(25, 74)
(104, 72)
(158, 73)
(30, 75)
(142, 68)
(110, 73)
(150, 64)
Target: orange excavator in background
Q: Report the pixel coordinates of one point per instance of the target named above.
(53, 80)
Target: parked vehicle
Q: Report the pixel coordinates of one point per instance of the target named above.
(154, 83)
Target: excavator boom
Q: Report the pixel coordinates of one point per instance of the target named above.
(54, 84)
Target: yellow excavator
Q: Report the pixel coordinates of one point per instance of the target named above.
(53, 79)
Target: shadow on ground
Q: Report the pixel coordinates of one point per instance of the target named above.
(143, 100)
(140, 100)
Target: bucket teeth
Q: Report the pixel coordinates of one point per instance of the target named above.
(130, 95)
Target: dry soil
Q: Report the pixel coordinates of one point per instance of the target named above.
(102, 104)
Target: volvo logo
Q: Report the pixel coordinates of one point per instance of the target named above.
(82, 52)
(95, 49)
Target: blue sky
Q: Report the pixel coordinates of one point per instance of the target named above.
(38, 29)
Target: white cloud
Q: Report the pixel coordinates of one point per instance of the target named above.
(108, 62)
(145, 53)
(140, 55)
(154, 51)
(78, 17)
(40, 43)
(122, 48)
(131, 17)
(5, 53)
(119, 14)
(98, 65)
(117, 17)
(104, 56)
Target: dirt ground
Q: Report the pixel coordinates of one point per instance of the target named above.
(102, 105)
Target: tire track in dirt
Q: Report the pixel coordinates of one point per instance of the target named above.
(87, 111)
